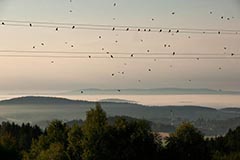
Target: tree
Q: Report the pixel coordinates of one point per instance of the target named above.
(94, 131)
(187, 143)
(74, 142)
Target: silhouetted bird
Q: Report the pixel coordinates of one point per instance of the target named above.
(132, 55)
(111, 56)
(73, 27)
(173, 53)
(57, 29)
(30, 25)
(3, 23)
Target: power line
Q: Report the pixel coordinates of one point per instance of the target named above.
(115, 53)
(119, 57)
(128, 28)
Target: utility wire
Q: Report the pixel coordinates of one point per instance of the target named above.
(129, 28)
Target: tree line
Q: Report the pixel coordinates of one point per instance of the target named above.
(96, 139)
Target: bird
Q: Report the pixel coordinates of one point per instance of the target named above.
(57, 29)
(149, 70)
(127, 29)
(173, 53)
(30, 24)
(33, 47)
(148, 50)
(139, 30)
(111, 56)
(52, 61)
(165, 45)
(219, 32)
(169, 30)
(42, 44)
(72, 45)
(177, 31)
(114, 4)
(82, 92)
(211, 12)
(73, 27)
(113, 28)
(160, 30)
(3, 23)
(99, 37)
(132, 55)
(232, 54)
(119, 90)
(173, 13)
(89, 57)
(112, 74)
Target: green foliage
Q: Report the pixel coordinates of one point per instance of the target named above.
(187, 143)
(74, 142)
(122, 139)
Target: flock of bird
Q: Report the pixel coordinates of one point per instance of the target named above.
(58, 26)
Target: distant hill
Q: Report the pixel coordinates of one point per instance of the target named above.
(155, 91)
(41, 110)
(153, 113)
(31, 100)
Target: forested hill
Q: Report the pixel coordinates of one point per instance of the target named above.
(39, 100)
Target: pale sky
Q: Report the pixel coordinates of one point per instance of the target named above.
(39, 74)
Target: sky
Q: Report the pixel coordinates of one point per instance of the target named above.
(51, 74)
